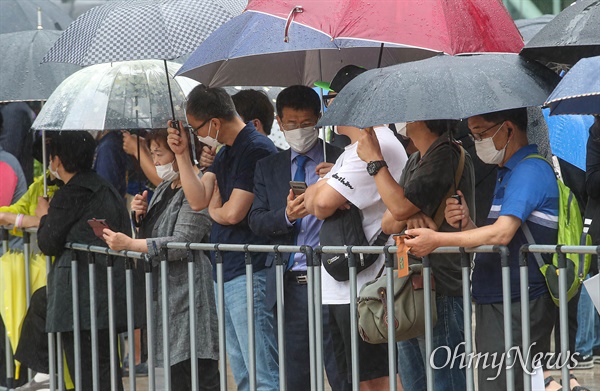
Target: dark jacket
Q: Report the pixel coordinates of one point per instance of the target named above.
(267, 217)
(592, 174)
(84, 197)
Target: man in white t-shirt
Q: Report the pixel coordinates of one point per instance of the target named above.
(351, 180)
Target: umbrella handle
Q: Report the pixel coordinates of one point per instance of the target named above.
(137, 221)
(296, 10)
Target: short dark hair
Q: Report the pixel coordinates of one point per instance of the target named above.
(74, 148)
(251, 104)
(298, 98)
(516, 116)
(439, 126)
(159, 136)
(205, 103)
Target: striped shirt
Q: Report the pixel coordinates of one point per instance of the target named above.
(525, 189)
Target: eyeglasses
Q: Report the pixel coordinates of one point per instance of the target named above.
(478, 136)
(195, 130)
(293, 125)
(327, 99)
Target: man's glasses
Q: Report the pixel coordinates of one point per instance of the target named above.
(479, 136)
(195, 130)
(293, 125)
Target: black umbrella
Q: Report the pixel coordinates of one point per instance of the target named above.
(22, 15)
(530, 27)
(23, 77)
(442, 87)
(571, 35)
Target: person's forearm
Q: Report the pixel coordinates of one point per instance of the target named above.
(139, 245)
(193, 188)
(314, 201)
(389, 225)
(392, 195)
(228, 214)
(487, 235)
(30, 221)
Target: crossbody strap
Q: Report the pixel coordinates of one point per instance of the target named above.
(529, 237)
(439, 214)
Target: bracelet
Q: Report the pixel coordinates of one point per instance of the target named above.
(19, 220)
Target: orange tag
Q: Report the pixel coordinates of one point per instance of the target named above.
(402, 254)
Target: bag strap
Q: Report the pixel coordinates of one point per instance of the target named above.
(529, 237)
(439, 214)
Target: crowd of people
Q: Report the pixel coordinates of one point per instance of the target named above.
(239, 192)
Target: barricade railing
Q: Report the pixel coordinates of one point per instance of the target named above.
(313, 256)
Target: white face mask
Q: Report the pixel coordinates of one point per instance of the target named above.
(54, 173)
(487, 152)
(401, 129)
(301, 140)
(211, 142)
(166, 172)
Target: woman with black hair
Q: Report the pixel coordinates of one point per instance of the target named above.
(84, 196)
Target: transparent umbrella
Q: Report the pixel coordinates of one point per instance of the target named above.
(115, 96)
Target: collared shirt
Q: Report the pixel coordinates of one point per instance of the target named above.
(234, 168)
(310, 225)
(525, 189)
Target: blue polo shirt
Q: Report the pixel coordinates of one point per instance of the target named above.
(234, 169)
(525, 189)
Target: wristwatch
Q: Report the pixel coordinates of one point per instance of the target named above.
(374, 167)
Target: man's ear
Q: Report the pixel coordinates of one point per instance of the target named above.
(279, 122)
(257, 124)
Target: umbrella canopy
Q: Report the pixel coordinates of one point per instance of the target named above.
(122, 95)
(442, 87)
(22, 15)
(278, 42)
(530, 27)
(579, 91)
(23, 77)
(569, 136)
(573, 34)
(141, 29)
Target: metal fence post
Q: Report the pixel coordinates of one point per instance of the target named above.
(112, 326)
(164, 297)
(310, 275)
(8, 352)
(280, 318)
(192, 309)
(391, 317)
(318, 311)
(93, 325)
(76, 324)
(51, 341)
(525, 323)
(130, 321)
(150, 322)
(60, 368)
(250, 315)
(27, 254)
(221, 318)
(563, 313)
(353, 320)
(506, 306)
(465, 263)
(428, 321)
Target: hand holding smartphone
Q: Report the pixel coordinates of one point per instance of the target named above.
(98, 226)
(298, 187)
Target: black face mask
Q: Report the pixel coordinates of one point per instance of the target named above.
(54, 182)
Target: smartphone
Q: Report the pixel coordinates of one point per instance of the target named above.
(457, 198)
(298, 187)
(98, 226)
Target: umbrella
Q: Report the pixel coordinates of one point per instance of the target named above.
(579, 90)
(121, 95)
(23, 77)
(573, 34)
(442, 87)
(281, 43)
(530, 27)
(22, 15)
(568, 136)
(141, 29)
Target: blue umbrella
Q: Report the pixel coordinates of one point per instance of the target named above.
(231, 55)
(568, 136)
(579, 91)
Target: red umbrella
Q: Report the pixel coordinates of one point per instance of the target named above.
(452, 27)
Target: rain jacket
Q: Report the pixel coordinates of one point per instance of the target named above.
(84, 197)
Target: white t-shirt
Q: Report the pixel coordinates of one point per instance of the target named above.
(350, 178)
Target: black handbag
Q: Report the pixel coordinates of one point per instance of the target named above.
(344, 228)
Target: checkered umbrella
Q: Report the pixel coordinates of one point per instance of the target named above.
(141, 29)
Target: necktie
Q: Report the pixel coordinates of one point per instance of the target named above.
(299, 176)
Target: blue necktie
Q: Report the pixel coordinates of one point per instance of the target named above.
(299, 176)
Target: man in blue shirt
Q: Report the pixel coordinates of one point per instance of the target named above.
(226, 189)
(526, 193)
(279, 214)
